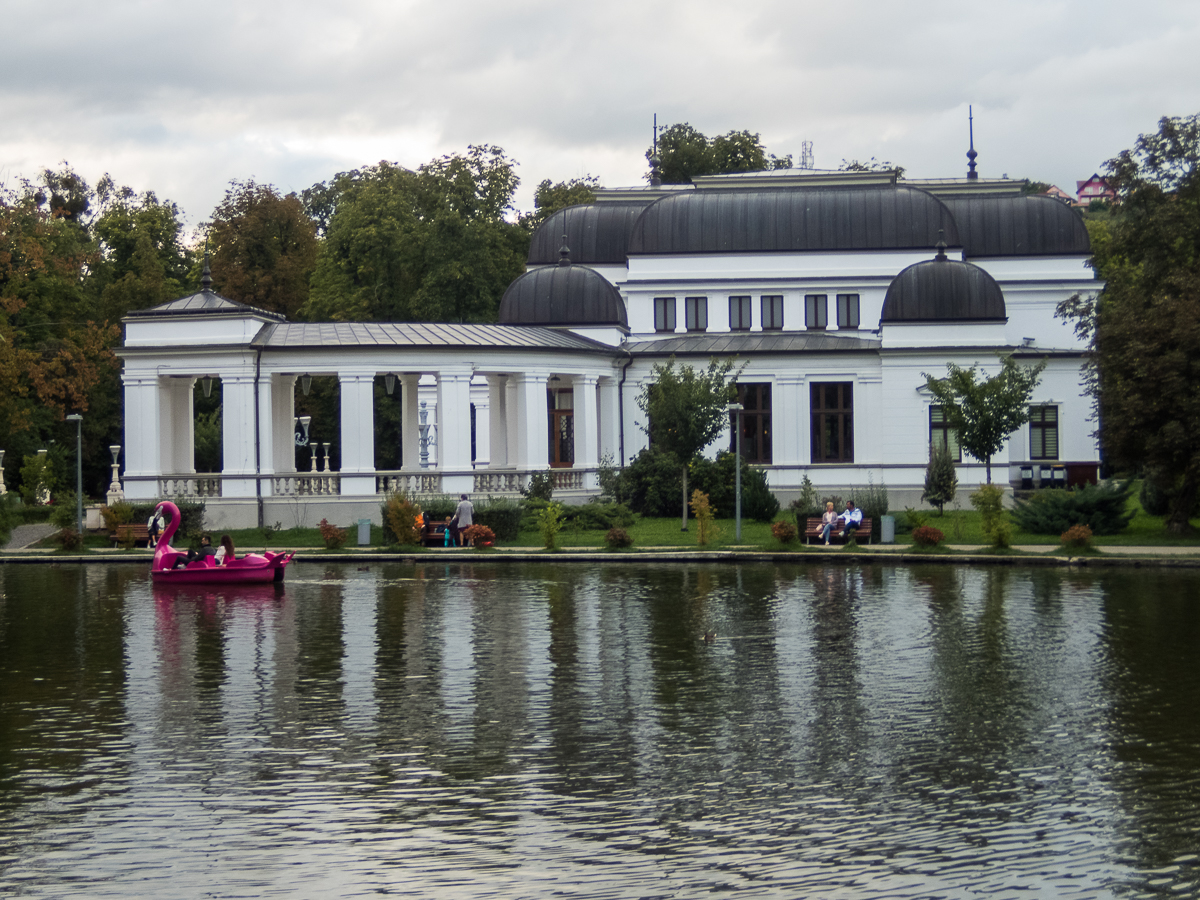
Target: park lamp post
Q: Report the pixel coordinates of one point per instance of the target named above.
(735, 410)
(78, 420)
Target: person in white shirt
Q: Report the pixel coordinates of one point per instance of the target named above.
(853, 518)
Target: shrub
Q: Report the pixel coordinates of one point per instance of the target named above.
(37, 478)
(1077, 537)
(191, 515)
(503, 515)
(808, 505)
(402, 518)
(873, 501)
(1103, 508)
(120, 513)
(479, 535)
(718, 480)
(927, 536)
(550, 523)
(540, 487)
(912, 520)
(989, 500)
(618, 539)
(941, 479)
(333, 536)
(706, 528)
(652, 484)
(70, 539)
(63, 511)
(10, 515)
(785, 532)
(611, 487)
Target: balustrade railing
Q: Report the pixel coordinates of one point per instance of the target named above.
(410, 483)
(306, 484)
(200, 486)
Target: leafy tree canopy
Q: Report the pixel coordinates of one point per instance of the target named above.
(1144, 330)
(871, 165)
(431, 245)
(549, 198)
(985, 410)
(684, 153)
(264, 248)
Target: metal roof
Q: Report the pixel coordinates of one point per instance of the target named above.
(596, 234)
(562, 295)
(298, 335)
(755, 342)
(1026, 225)
(891, 218)
(940, 290)
(206, 302)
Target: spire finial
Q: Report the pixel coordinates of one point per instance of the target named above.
(564, 253)
(941, 246)
(971, 154)
(206, 275)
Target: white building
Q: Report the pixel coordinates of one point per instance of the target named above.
(836, 290)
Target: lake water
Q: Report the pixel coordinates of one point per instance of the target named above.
(501, 730)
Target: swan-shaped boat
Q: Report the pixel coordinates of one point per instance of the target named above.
(252, 568)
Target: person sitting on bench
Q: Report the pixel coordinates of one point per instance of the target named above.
(853, 518)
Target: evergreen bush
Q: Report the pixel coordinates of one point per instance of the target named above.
(808, 505)
(717, 480)
(191, 515)
(652, 483)
(1103, 508)
(989, 500)
(873, 501)
(941, 479)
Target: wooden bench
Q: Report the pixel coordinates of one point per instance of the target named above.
(130, 534)
(812, 531)
(434, 535)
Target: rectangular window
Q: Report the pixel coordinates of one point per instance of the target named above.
(772, 313)
(695, 311)
(1043, 432)
(756, 423)
(739, 313)
(847, 310)
(831, 405)
(815, 314)
(942, 434)
(664, 313)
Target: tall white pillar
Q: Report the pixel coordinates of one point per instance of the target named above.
(178, 418)
(587, 426)
(610, 418)
(454, 430)
(238, 435)
(143, 435)
(532, 422)
(481, 401)
(497, 421)
(358, 432)
(789, 413)
(282, 457)
(410, 433)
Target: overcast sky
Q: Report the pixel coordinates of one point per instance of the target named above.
(181, 97)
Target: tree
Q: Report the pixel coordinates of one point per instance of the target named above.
(685, 410)
(549, 198)
(1144, 329)
(430, 245)
(985, 412)
(264, 248)
(871, 165)
(941, 479)
(684, 153)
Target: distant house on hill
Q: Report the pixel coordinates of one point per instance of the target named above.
(1095, 188)
(1058, 194)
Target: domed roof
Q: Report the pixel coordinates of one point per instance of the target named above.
(598, 234)
(940, 290)
(565, 294)
(874, 218)
(1026, 225)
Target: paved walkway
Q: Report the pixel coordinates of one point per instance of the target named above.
(27, 535)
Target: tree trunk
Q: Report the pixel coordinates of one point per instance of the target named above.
(683, 526)
(987, 463)
(1182, 504)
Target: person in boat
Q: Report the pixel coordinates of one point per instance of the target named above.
(206, 549)
(225, 554)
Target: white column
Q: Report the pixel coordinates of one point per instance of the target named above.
(789, 411)
(510, 419)
(237, 433)
(143, 435)
(358, 432)
(497, 421)
(283, 417)
(454, 430)
(268, 433)
(409, 420)
(587, 426)
(609, 414)
(481, 400)
(532, 422)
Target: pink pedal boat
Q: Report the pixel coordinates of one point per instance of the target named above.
(250, 569)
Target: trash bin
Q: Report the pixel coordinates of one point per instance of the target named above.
(887, 529)
(364, 532)
(1027, 478)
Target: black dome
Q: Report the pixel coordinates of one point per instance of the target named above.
(597, 234)
(1018, 226)
(940, 290)
(891, 218)
(562, 295)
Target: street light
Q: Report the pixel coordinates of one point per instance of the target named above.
(78, 420)
(735, 410)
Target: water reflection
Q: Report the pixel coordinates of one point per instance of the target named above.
(531, 730)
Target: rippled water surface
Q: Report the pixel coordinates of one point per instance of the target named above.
(533, 731)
